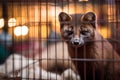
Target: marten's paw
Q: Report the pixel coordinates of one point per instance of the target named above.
(69, 74)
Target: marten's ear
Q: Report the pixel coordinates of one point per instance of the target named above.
(89, 17)
(64, 17)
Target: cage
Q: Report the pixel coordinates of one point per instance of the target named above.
(32, 48)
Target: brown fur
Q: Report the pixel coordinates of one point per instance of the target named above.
(96, 59)
(93, 50)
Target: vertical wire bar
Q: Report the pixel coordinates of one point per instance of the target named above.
(24, 16)
(117, 7)
(68, 60)
(12, 34)
(13, 56)
(102, 42)
(40, 38)
(55, 40)
(19, 4)
(62, 40)
(5, 27)
(85, 56)
(110, 6)
(68, 3)
(117, 25)
(28, 6)
(93, 9)
(56, 60)
(115, 22)
(46, 5)
(84, 49)
(112, 11)
(111, 19)
(31, 26)
(5, 15)
(107, 25)
(65, 53)
(85, 68)
(117, 12)
(76, 51)
(22, 41)
(33, 40)
(69, 64)
(63, 45)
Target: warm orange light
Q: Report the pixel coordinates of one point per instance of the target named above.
(42, 31)
(111, 12)
(45, 13)
(56, 25)
(45, 31)
(69, 8)
(54, 11)
(1, 23)
(54, 19)
(105, 32)
(21, 20)
(78, 8)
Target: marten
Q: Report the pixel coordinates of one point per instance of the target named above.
(93, 56)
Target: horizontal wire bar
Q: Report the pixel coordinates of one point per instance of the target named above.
(81, 59)
(96, 60)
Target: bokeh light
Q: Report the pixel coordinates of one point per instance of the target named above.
(21, 31)
(1, 23)
(12, 22)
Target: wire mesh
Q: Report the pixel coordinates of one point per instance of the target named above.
(31, 47)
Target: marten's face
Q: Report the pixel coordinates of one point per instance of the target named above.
(77, 29)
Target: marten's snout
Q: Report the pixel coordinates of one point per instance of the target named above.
(77, 41)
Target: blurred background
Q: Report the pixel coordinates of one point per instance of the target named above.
(30, 26)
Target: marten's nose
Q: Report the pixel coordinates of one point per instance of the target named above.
(76, 42)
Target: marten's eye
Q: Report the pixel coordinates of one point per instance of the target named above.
(69, 30)
(84, 31)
